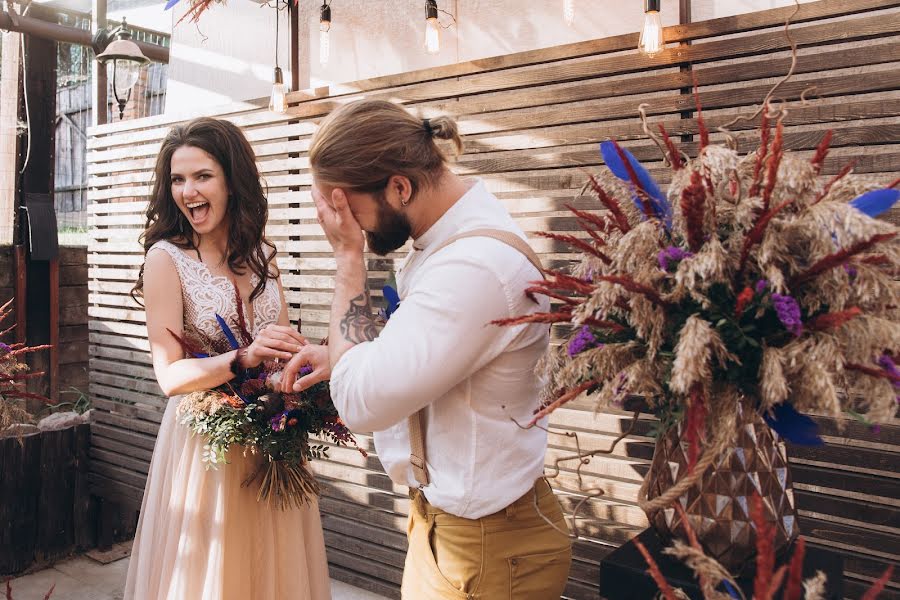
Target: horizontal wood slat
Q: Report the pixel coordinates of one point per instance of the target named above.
(531, 122)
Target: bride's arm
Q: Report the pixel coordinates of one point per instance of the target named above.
(176, 374)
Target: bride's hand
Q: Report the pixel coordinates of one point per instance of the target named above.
(315, 358)
(273, 341)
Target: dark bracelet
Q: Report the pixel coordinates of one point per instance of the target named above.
(238, 369)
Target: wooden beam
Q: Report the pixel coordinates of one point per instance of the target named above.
(71, 35)
(98, 71)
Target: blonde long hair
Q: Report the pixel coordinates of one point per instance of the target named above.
(362, 144)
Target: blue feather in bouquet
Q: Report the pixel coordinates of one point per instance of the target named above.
(876, 202)
(793, 426)
(626, 167)
(392, 298)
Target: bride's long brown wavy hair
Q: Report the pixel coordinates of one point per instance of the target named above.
(247, 206)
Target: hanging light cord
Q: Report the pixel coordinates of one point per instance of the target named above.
(449, 15)
(277, 19)
(25, 94)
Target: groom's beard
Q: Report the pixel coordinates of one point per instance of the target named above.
(392, 231)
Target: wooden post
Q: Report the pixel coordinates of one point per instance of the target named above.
(20, 475)
(21, 294)
(684, 17)
(684, 12)
(294, 11)
(37, 178)
(98, 71)
(54, 329)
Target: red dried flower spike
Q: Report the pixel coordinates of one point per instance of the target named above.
(693, 207)
(664, 587)
(765, 548)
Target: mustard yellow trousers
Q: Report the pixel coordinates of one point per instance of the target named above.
(520, 553)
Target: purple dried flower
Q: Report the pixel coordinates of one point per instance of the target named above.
(305, 370)
(851, 271)
(279, 421)
(761, 286)
(788, 312)
(583, 340)
(887, 363)
(672, 254)
(620, 390)
(4, 348)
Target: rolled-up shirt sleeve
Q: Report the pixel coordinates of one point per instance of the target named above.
(439, 336)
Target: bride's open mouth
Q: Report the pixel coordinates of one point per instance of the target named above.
(198, 210)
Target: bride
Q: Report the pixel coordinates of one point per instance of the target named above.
(201, 535)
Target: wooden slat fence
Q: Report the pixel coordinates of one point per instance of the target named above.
(532, 122)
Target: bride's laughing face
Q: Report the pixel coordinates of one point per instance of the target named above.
(200, 189)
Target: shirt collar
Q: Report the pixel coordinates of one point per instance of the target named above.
(450, 222)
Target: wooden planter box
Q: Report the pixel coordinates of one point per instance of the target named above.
(45, 507)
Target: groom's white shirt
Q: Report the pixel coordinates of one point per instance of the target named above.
(439, 350)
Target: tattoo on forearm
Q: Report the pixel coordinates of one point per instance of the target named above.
(357, 325)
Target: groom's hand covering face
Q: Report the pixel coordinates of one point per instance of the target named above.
(386, 227)
(341, 227)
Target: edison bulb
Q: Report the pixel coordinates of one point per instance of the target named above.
(651, 42)
(432, 36)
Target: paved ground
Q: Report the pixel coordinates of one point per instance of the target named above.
(82, 578)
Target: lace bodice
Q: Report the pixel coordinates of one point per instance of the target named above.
(205, 295)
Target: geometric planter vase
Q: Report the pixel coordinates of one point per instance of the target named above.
(718, 505)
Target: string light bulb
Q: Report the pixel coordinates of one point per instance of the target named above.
(278, 103)
(651, 42)
(569, 12)
(324, 28)
(432, 28)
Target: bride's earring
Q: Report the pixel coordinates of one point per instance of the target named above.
(405, 201)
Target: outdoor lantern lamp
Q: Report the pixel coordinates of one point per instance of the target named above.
(123, 60)
(432, 28)
(651, 42)
(324, 28)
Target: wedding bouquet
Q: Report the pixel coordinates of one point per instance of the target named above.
(751, 278)
(251, 412)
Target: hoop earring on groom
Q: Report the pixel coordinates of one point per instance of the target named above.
(404, 202)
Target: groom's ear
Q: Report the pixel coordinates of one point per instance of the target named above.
(400, 189)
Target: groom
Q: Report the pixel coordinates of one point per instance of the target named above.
(440, 386)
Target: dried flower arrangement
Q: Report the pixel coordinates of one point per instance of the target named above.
(749, 278)
(751, 293)
(13, 374)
